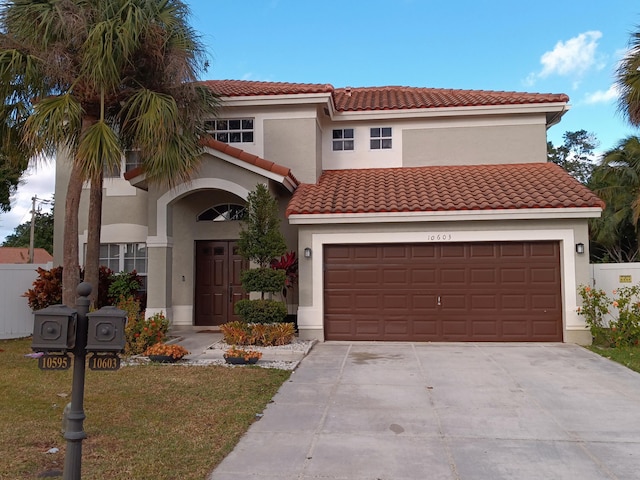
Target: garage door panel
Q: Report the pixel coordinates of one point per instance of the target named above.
(366, 276)
(395, 277)
(423, 277)
(509, 276)
(543, 275)
(422, 302)
(453, 276)
(488, 291)
(479, 276)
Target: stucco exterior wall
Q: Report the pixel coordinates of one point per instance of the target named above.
(567, 231)
(292, 143)
(474, 145)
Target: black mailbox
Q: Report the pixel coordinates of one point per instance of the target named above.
(54, 329)
(106, 330)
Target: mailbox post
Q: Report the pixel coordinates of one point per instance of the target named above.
(75, 433)
(58, 330)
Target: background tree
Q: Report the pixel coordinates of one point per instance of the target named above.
(628, 81)
(617, 181)
(43, 233)
(10, 178)
(95, 79)
(576, 154)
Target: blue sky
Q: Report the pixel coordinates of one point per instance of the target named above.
(544, 46)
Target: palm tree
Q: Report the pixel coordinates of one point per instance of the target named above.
(628, 81)
(617, 181)
(95, 79)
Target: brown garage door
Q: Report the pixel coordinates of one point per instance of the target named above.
(498, 291)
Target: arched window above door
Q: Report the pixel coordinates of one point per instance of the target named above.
(223, 213)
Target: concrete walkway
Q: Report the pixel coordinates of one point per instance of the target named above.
(446, 411)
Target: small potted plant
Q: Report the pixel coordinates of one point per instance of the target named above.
(240, 356)
(165, 353)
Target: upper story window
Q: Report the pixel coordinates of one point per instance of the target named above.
(343, 139)
(380, 138)
(131, 161)
(236, 130)
(223, 213)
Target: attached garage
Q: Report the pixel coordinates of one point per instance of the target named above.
(480, 253)
(473, 291)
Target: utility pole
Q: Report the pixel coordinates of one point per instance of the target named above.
(33, 227)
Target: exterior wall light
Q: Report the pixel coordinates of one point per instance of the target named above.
(580, 248)
(307, 252)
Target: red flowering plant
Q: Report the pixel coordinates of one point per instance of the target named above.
(141, 333)
(289, 263)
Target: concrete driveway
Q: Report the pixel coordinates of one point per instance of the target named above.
(390, 411)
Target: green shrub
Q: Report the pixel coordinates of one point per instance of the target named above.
(124, 285)
(261, 311)
(607, 329)
(263, 280)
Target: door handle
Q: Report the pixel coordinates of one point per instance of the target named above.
(439, 300)
(230, 294)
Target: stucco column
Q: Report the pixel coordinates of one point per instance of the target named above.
(159, 260)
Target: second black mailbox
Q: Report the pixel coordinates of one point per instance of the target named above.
(106, 330)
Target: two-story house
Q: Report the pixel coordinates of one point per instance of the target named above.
(417, 214)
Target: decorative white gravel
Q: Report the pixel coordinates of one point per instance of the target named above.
(295, 346)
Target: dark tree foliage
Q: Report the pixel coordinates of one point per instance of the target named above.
(575, 155)
(10, 176)
(42, 233)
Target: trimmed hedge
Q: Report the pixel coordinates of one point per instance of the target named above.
(263, 280)
(261, 311)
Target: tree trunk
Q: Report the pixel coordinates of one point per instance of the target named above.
(71, 269)
(94, 225)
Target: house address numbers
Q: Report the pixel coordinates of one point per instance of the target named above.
(438, 237)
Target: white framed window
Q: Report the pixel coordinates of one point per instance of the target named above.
(343, 139)
(125, 257)
(381, 138)
(131, 160)
(231, 130)
(223, 213)
(111, 172)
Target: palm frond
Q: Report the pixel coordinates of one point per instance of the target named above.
(55, 121)
(98, 148)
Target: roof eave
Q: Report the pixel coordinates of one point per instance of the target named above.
(553, 112)
(266, 100)
(446, 216)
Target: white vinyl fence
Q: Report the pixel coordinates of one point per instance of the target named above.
(16, 318)
(611, 276)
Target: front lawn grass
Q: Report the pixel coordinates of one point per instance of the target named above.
(148, 422)
(627, 356)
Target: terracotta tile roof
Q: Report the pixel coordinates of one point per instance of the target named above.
(21, 255)
(402, 98)
(441, 189)
(385, 98)
(236, 153)
(246, 88)
(250, 158)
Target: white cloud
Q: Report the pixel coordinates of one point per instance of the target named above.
(38, 181)
(601, 96)
(571, 58)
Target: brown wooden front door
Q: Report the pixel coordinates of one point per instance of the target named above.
(218, 267)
